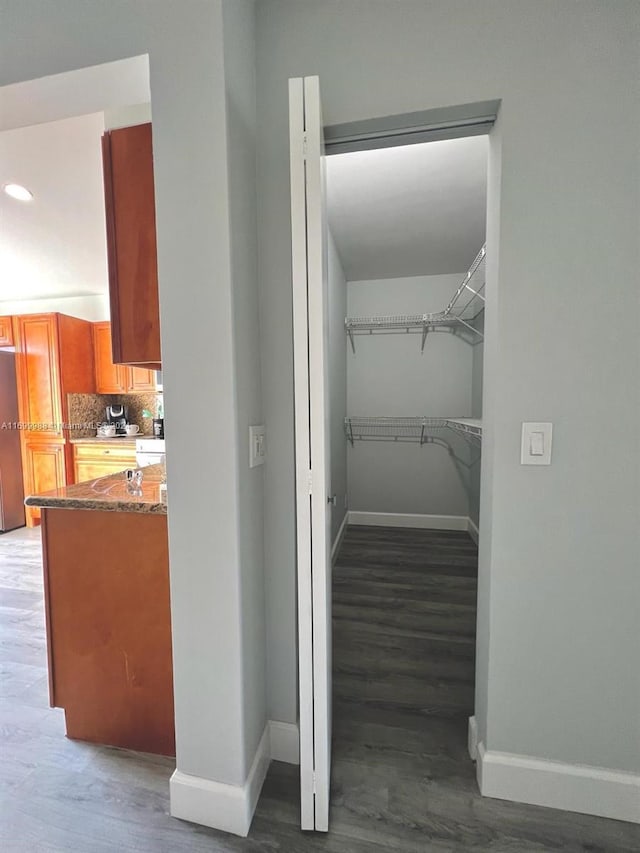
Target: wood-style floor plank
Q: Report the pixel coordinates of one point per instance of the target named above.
(402, 779)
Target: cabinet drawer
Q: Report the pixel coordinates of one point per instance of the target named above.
(105, 452)
(90, 469)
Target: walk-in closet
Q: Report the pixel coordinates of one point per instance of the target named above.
(407, 261)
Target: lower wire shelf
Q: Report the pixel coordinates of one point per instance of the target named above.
(419, 430)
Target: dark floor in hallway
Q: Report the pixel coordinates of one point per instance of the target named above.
(402, 779)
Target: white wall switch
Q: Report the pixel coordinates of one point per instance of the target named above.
(257, 446)
(536, 444)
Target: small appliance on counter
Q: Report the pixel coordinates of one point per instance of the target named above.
(117, 415)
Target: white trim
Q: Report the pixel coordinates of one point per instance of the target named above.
(340, 536)
(571, 787)
(472, 528)
(397, 519)
(472, 739)
(285, 742)
(229, 808)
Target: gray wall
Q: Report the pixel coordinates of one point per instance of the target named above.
(337, 385)
(559, 545)
(388, 375)
(240, 82)
(194, 100)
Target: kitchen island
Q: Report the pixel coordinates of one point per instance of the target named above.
(106, 582)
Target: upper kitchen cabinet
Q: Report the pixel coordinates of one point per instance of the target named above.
(116, 378)
(131, 245)
(54, 358)
(6, 332)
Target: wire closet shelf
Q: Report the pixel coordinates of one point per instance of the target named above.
(460, 314)
(416, 430)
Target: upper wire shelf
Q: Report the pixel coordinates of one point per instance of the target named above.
(460, 314)
(471, 427)
(409, 429)
(412, 429)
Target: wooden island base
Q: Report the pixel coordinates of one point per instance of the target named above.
(109, 626)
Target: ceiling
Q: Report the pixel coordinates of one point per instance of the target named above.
(54, 245)
(408, 211)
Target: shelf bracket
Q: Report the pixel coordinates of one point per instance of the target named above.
(350, 434)
(353, 346)
(470, 327)
(425, 329)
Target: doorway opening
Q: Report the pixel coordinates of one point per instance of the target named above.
(407, 263)
(80, 351)
(403, 374)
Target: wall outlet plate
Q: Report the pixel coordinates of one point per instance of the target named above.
(257, 446)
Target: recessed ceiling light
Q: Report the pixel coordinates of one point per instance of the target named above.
(18, 191)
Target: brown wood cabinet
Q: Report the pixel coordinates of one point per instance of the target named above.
(6, 332)
(106, 580)
(54, 357)
(116, 378)
(44, 469)
(101, 458)
(131, 245)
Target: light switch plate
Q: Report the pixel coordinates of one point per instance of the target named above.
(536, 444)
(257, 446)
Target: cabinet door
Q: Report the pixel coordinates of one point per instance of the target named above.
(38, 372)
(44, 470)
(110, 378)
(141, 380)
(131, 245)
(6, 332)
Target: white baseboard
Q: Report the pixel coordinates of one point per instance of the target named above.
(472, 739)
(340, 536)
(571, 787)
(285, 742)
(229, 808)
(397, 519)
(472, 528)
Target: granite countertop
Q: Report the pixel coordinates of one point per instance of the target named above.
(109, 493)
(127, 440)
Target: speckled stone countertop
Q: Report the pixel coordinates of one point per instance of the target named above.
(126, 440)
(109, 493)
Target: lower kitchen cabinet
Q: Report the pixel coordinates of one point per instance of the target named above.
(44, 465)
(99, 459)
(108, 622)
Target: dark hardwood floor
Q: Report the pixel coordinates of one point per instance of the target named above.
(402, 780)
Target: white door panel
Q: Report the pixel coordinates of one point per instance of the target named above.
(313, 517)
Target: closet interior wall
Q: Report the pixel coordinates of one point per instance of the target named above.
(388, 375)
(337, 362)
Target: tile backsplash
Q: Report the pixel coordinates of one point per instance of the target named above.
(86, 411)
(135, 404)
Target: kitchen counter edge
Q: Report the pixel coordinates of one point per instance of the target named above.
(108, 494)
